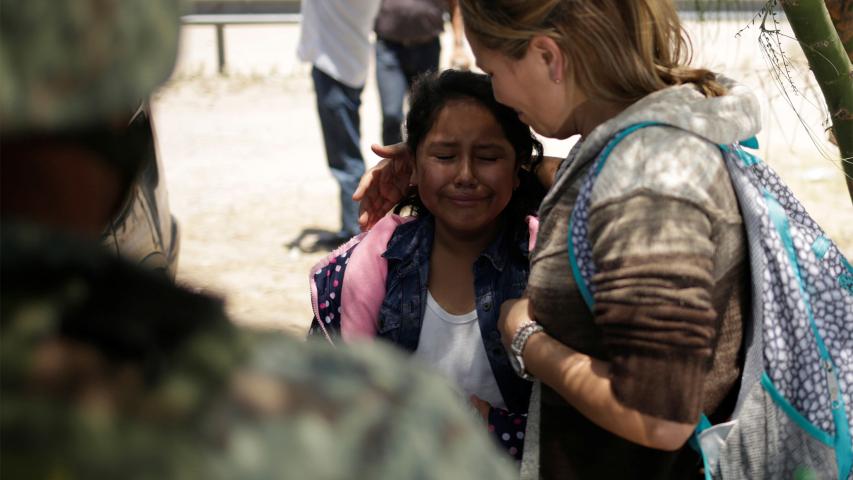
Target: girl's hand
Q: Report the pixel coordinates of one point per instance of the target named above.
(384, 185)
(481, 406)
(513, 313)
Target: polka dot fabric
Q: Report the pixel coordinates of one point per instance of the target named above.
(794, 292)
(328, 279)
(508, 428)
(803, 299)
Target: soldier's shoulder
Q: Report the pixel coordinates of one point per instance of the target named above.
(363, 411)
(152, 375)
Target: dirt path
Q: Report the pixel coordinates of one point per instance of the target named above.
(246, 168)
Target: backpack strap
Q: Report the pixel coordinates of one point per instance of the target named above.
(580, 250)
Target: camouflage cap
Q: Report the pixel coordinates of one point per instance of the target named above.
(70, 63)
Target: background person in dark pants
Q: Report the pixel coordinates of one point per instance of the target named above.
(407, 46)
(335, 39)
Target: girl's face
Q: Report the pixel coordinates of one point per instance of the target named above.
(465, 169)
(536, 85)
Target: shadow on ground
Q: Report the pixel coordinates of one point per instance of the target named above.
(313, 240)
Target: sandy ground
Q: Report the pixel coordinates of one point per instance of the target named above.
(246, 171)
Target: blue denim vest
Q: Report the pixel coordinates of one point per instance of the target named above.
(500, 273)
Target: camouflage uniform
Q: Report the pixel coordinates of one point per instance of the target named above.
(110, 371)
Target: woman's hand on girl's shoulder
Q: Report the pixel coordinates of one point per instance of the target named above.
(384, 185)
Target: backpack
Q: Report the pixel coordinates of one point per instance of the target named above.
(365, 287)
(793, 411)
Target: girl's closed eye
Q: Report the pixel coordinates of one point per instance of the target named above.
(489, 154)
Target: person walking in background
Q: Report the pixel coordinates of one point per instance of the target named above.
(407, 46)
(335, 39)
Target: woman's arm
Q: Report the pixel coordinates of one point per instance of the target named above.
(584, 382)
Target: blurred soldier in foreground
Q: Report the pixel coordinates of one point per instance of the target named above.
(109, 371)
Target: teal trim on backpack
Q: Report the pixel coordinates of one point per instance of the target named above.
(748, 159)
(845, 280)
(576, 271)
(842, 442)
(820, 246)
(696, 444)
(843, 447)
(751, 142)
(793, 414)
(602, 157)
(847, 264)
(600, 161)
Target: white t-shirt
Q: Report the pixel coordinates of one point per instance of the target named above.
(335, 37)
(452, 346)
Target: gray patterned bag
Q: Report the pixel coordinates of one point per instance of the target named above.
(793, 412)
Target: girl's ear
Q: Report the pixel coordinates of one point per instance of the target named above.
(550, 54)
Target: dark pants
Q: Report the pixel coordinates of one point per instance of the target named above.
(397, 66)
(338, 106)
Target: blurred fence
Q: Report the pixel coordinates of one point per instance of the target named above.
(220, 13)
(292, 6)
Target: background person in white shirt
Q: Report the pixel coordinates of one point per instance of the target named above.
(335, 39)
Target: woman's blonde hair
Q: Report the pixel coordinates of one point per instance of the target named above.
(618, 50)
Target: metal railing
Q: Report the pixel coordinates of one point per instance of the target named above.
(220, 13)
(219, 21)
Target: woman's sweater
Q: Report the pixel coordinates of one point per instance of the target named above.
(672, 283)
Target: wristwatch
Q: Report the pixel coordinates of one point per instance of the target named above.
(519, 340)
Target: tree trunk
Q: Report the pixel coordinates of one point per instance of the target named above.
(830, 63)
(841, 12)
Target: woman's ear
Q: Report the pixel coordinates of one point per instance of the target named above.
(550, 54)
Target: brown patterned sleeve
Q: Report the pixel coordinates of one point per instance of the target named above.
(654, 257)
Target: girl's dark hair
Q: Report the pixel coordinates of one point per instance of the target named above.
(432, 91)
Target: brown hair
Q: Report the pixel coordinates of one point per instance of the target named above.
(618, 50)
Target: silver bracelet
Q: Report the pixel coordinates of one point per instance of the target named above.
(522, 334)
(519, 340)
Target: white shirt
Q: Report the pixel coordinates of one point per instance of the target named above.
(452, 346)
(335, 37)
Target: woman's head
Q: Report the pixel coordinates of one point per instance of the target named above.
(470, 152)
(614, 50)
